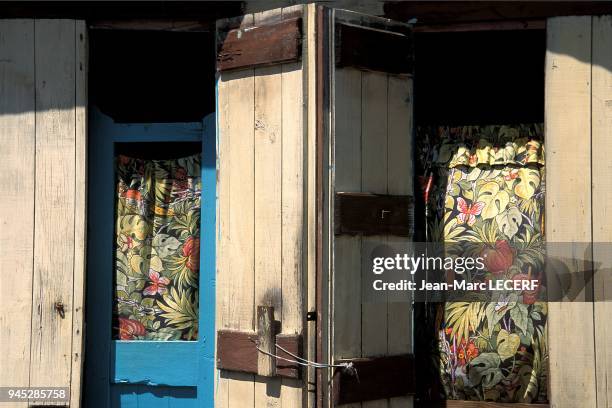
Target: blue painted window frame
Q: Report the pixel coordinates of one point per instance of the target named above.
(112, 362)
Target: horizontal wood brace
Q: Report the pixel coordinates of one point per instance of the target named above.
(274, 43)
(236, 351)
(376, 378)
(373, 214)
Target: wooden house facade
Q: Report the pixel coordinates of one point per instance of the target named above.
(307, 107)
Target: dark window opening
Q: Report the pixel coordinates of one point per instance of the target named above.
(485, 77)
(152, 76)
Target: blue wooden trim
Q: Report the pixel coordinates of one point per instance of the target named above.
(149, 132)
(153, 365)
(139, 396)
(208, 263)
(156, 363)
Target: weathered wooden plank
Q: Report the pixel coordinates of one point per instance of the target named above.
(374, 125)
(346, 314)
(568, 202)
(268, 167)
(266, 341)
(275, 43)
(374, 214)
(377, 378)
(17, 138)
(602, 231)
(80, 212)
(310, 200)
(237, 352)
(400, 181)
(268, 228)
(293, 253)
(223, 212)
(241, 390)
(54, 236)
(236, 218)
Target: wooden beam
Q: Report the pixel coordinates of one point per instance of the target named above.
(373, 214)
(265, 341)
(373, 379)
(261, 45)
(236, 351)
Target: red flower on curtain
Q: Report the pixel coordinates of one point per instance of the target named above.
(497, 260)
(465, 353)
(158, 284)
(191, 250)
(129, 328)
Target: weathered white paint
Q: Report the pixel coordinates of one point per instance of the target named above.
(262, 226)
(42, 208)
(568, 203)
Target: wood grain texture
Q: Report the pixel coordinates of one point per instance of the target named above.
(400, 181)
(223, 237)
(372, 137)
(309, 101)
(293, 229)
(237, 352)
(602, 231)
(268, 167)
(266, 341)
(346, 316)
(80, 212)
(235, 274)
(271, 44)
(17, 172)
(568, 203)
(54, 236)
(374, 324)
(276, 206)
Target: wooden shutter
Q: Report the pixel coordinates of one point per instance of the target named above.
(262, 190)
(370, 73)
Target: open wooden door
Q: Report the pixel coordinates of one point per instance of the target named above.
(311, 101)
(370, 189)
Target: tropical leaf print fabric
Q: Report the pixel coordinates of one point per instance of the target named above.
(488, 198)
(157, 253)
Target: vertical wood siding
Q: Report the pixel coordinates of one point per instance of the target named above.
(372, 134)
(42, 217)
(261, 250)
(578, 124)
(601, 128)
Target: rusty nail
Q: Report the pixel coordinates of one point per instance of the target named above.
(59, 308)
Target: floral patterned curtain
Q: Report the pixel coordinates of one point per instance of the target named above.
(158, 248)
(488, 188)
